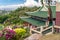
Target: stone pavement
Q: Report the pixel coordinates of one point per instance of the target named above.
(34, 37)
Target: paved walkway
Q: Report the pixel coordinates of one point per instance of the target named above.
(34, 37)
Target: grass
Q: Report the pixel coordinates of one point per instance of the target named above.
(51, 37)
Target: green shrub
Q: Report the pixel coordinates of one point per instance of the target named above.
(1, 27)
(20, 32)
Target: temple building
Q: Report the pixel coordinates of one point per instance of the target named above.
(40, 17)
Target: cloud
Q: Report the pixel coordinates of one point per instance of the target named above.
(11, 6)
(28, 3)
(58, 0)
(32, 3)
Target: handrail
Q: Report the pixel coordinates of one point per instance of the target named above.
(47, 28)
(40, 31)
(35, 31)
(37, 27)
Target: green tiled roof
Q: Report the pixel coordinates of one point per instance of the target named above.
(44, 14)
(39, 14)
(34, 22)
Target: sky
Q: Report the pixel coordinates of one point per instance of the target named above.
(58, 0)
(11, 2)
(17, 3)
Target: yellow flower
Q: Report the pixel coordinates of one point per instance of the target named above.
(20, 31)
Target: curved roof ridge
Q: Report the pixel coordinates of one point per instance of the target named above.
(44, 8)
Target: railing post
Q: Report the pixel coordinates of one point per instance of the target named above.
(28, 25)
(53, 27)
(41, 29)
(30, 30)
(52, 30)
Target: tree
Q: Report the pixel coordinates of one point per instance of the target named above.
(14, 16)
(3, 18)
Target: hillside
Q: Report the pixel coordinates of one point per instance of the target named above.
(14, 16)
(2, 12)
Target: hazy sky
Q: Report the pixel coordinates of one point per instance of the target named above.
(58, 0)
(11, 2)
(17, 3)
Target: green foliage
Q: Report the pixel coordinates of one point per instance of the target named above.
(27, 32)
(1, 27)
(3, 18)
(20, 33)
(14, 16)
(2, 38)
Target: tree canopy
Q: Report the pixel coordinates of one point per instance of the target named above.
(14, 16)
